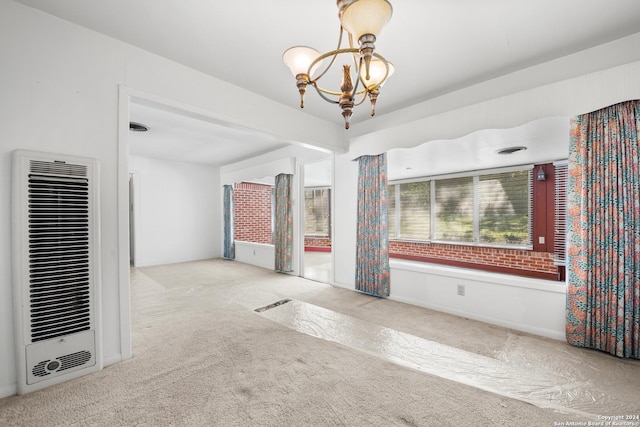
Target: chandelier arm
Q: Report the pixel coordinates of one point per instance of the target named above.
(323, 96)
(333, 60)
(321, 91)
(358, 79)
(331, 92)
(364, 94)
(327, 91)
(355, 53)
(334, 93)
(333, 53)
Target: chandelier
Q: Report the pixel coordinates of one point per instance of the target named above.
(361, 20)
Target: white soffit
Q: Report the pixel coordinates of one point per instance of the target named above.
(545, 140)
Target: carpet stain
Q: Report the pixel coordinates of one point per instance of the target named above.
(246, 391)
(407, 421)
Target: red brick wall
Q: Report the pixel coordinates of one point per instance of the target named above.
(316, 242)
(252, 212)
(252, 216)
(515, 261)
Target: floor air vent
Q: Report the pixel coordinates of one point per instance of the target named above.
(55, 244)
(270, 306)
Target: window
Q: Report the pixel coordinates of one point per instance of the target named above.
(504, 208)
(412, 219)
(316, 212)
(488, 208)
(392, 211)
(454, 209)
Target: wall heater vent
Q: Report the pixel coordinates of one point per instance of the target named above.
(55, 268)
(58, 168)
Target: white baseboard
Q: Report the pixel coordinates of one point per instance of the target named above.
(343, 286)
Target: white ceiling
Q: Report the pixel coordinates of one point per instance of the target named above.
(437, 46)
(180, 137)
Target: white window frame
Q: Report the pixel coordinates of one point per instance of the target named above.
(476, 211)
(328, 210)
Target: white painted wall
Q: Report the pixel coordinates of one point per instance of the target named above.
(258, 254)
(177, 211)
(60, 94)
(345, 208)
(529, 305)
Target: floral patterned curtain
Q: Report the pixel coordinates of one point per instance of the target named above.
(229, 249)
(372, 247)
(283, 230)
(603, 219)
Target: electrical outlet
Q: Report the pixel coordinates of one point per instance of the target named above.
(461, 290)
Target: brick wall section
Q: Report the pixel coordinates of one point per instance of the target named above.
(524, 260)
(252, 212)
(317, 242)
(252, 216)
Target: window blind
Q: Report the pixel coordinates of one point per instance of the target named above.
(454, 209)
(560, 221)
(391, 210)
(504, 207)
(415, 210)
(317, 212)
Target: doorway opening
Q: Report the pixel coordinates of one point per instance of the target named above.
(317, 260)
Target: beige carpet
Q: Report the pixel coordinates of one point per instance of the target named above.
(203, 357)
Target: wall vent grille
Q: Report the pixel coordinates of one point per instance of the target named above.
(57, 168)
(58, 256)
(46, 367)
(56, 273)
(72, 360)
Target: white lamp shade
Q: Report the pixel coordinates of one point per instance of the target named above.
(376, 73)
(298, 59)
(366, 17)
